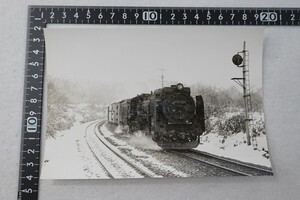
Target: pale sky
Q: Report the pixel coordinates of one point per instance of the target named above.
(131, 56)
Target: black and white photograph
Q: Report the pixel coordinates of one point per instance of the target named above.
(153, 102)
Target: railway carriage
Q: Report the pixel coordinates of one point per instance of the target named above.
(124, 111)
(113, 114)
(170, 115)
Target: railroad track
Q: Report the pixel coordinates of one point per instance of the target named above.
(224, 164)
(219, 165)
(110, 175)
(143, 172)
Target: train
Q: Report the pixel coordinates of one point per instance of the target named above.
(170, 115)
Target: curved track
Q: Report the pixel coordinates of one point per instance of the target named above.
(95, 156)
(124, 158)
(126, 165)
(231, 166)
(262, 169)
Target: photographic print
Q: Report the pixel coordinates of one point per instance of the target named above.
(153, 102)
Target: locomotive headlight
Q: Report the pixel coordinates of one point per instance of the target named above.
(179, 86)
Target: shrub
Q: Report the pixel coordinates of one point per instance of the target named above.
(231, 125)
(58, 120)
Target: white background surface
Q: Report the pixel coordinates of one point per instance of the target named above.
(281, 81)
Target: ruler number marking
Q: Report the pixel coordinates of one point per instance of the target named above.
(232, 16)
(36, 64)
(36, 52)
(39, 18)
(30, 151)
(150, 15)
(37, 28)
(208, 16)
(292, 17)
(36, 40)
(136, 15)
(29, 164)
(31, 113)
(268, 16)
(124, 15)
(76, 15)
(220, 17)
(33, 100)
(29, 190)
(33, 88)
(173, 16)
(112, 14)
(52, 15)
(100, 16)
(35, 76)
(88, 14)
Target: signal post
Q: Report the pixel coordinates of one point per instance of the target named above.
(243, 62)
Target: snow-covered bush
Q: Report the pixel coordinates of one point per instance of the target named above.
(218, 101)
(258, 127)
(58, 119)
(63, 117)
(234, 124)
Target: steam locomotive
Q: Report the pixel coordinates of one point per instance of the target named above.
(170, 115)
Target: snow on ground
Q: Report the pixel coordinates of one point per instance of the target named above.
(235, 148)
(234, 145)
(139, 154)
(68, 156)
(117, 166)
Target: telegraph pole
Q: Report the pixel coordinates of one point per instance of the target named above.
(162, 77)
(243, 62)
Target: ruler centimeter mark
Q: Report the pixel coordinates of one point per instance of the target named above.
(40, 16)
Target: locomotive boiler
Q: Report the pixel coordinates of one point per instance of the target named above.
(173, 118)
